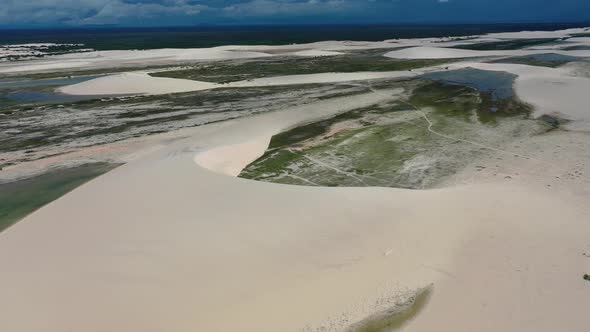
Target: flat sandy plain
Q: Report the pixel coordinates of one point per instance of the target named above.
(174, 241)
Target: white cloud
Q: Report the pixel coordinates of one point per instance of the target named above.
(116, 11)
(93, 11)
(286, 7)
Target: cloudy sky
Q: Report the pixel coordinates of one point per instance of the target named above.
(190, 12)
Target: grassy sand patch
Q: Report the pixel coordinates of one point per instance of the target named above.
(506, 45)
(550, 60)
(396, 317)
(412, 143)
(231, 71)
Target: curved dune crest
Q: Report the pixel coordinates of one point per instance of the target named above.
(231, 159)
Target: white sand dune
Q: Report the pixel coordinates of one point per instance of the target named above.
(139, 58)
(42, 66)
(216, 159)
(143, 83)
(128, 58)
(161, 244)
(134, 83)
(135, 58)
(313, 53)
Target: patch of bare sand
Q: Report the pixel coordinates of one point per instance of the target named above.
(134, 83)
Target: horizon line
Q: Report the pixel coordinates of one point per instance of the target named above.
(229, 25)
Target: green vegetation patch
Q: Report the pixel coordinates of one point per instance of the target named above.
(451, 100)
(292, 159)
(20, 198)
(581, 34)
(394, 318)
(461, 102)
(68, 73)
(302, 133)
(460, 92)
(550, 60)
(412, 143)
(230, 71)
(577, 47)
(515, 44)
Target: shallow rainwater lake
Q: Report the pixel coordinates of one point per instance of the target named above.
(498, 84)
(551, 60)
(42, 97)
(19, 198)
(26, 90)
(17, 83)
